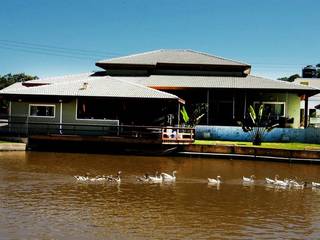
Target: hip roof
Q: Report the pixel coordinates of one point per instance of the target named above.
(86, 85)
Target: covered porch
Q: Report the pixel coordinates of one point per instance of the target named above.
(224, 107)
(226, 99)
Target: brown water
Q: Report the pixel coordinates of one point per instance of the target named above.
(40, 199)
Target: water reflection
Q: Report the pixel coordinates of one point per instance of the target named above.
(214, 186)
(41, 199)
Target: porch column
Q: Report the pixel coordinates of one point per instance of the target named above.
(245, 105)
(178, 114)
(208, 105)
(60, 126)
(212, 107)
(233, 107)
(9, 110)
(306, 101)
(9, 116)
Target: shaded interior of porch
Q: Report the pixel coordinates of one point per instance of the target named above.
(224, 107)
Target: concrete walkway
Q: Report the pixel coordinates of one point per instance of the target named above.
(12, 147)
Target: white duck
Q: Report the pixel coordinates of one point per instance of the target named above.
(248, 180)
(81, 178)
(271, 181)
(144, 178)
(284, 183)
(295, 184)
(156, 178)
(116, 179)
(214, 181)
(168, 177)
(315, 184)
(99, 178)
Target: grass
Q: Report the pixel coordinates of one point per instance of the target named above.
(275, 145)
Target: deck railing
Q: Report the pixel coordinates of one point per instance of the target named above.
(23, 127)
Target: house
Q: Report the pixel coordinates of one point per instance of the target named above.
(84, 107)
(225, 87)
(83, 99)
(132, 95)
(314, 101)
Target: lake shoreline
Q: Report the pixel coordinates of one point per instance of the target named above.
(233, 151)
(221, 150)
(12, 146)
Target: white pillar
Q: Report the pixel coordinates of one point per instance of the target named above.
(60, 127)
(208, 104)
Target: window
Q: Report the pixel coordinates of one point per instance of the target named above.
(37, 110)
(275, 109)
(102, 109)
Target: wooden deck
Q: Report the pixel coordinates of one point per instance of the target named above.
(119, 134)
(105, 139)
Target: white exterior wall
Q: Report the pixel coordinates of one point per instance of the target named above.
(312, 101)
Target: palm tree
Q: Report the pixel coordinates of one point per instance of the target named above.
(197, 114)
(258, 125)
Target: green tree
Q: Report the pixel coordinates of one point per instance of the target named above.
(8, 79)
(289, 79)
(318, 70)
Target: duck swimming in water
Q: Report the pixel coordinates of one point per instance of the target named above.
(214, 181)
(315, 184)
(168, 177)
(156, 178)
(86, 177)
(271, 181)
(248, 180)
(144, 178)
(116, 179)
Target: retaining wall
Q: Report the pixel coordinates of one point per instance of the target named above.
(12, 147)
(308, 135)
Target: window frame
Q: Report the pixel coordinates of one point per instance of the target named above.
(274, 103)
(42, 105)
(93, 119)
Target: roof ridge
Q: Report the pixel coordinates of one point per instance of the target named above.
(142, 86)
(132, 55)
(215, 56)
(176, 50)
(64, 76)
(59, 83)
(281, 81)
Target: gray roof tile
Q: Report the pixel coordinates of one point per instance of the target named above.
(95, 87)
(248, 82)
(141, 87)
(178, 56)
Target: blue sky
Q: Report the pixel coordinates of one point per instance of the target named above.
(48, 38)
